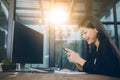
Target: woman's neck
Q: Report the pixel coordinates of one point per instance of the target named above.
(97, 44)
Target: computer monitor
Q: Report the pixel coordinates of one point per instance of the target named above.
(27, 45)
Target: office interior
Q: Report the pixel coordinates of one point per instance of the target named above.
(57, 20)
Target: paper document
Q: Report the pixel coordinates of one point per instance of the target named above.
(69, 72)
(41, 70)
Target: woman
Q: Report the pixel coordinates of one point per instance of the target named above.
(103, 57)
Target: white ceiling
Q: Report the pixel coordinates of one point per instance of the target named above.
(32, 12)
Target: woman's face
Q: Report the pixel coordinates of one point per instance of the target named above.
(89, 34)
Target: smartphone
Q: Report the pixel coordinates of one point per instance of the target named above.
(65, 49)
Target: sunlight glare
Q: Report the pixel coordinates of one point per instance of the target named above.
(58, 16)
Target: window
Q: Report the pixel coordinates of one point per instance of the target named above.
(119, 35)
(3, 30)
(118, 10)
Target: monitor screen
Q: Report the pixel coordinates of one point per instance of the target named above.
(27, 45)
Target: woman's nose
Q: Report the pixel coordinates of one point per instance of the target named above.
(83, 37)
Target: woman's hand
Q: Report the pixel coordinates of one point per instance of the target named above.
(74, 57)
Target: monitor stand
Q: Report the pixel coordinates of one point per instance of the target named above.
(21, 68)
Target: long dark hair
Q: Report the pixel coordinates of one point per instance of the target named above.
(94, 22)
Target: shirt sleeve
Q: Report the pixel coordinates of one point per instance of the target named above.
(106, 62)
(90, 67)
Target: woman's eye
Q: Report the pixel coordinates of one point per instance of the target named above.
(84, 32)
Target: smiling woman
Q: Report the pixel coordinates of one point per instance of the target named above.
(103, 56)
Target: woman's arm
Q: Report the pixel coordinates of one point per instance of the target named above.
(79, 67)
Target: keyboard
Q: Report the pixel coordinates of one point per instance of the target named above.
(42, 70)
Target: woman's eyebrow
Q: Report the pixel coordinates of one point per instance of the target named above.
(82, 31)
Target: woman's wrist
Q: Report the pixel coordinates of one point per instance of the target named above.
(81, 61)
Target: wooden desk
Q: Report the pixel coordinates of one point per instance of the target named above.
(51, 76)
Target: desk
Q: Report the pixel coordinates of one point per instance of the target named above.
(51, 76)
